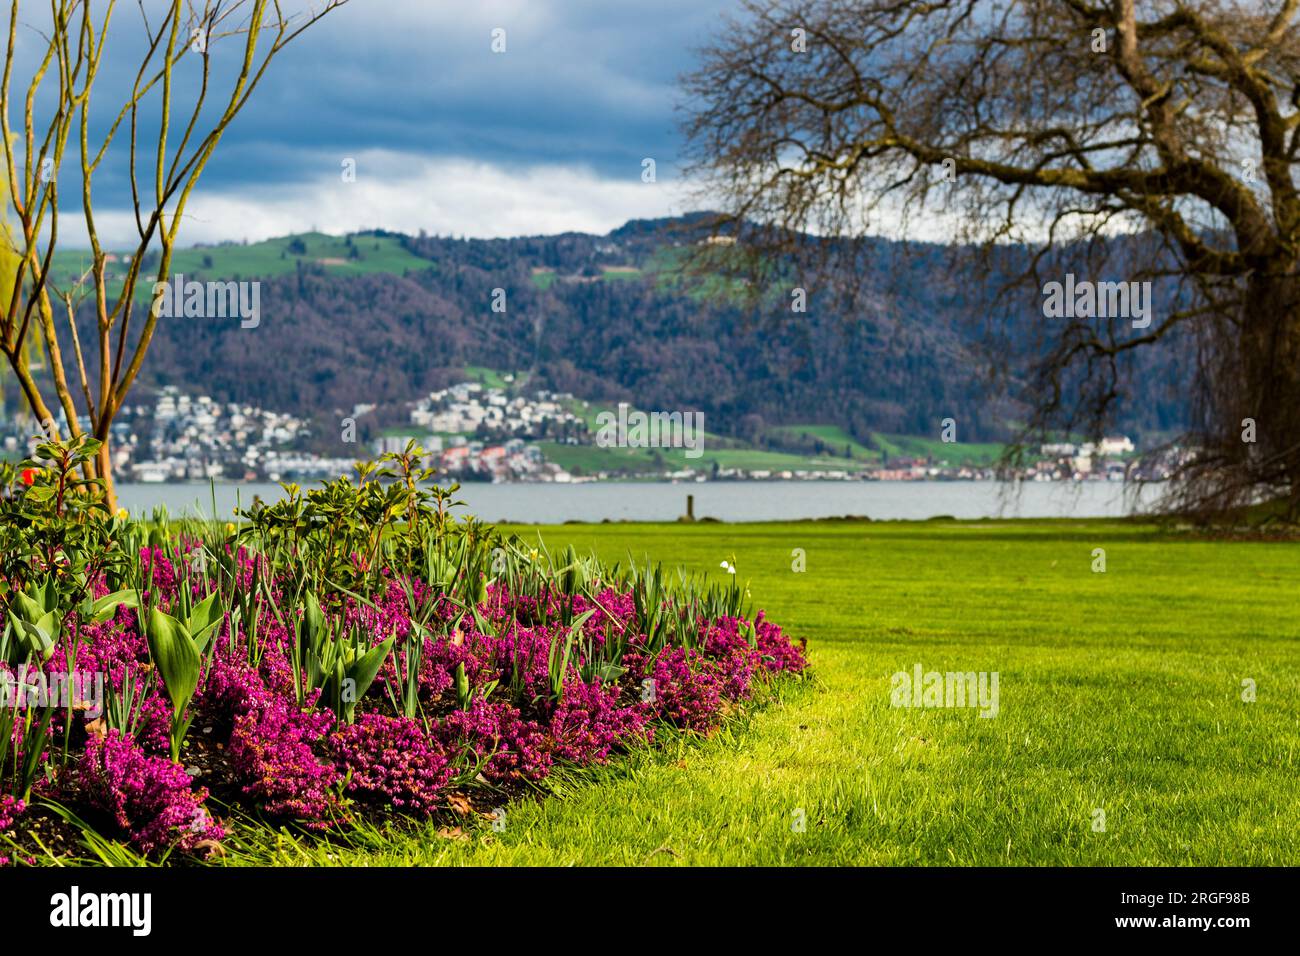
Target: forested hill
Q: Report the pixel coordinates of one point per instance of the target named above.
(384, 318)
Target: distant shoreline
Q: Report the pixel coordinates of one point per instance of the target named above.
(730, 501)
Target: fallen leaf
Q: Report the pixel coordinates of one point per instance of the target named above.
(460, 803)
(212, 846)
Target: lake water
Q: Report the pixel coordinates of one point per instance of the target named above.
(728, 501)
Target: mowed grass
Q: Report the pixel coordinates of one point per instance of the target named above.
(1119, 691)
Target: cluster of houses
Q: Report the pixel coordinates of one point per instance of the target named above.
(468, 459)
(1106, 460)
(476, 432)
(473, 432)
(471, 408)
(192, 437)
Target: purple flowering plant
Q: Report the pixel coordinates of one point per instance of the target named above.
(358, 649)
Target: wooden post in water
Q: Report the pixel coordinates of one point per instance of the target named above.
(690, 507)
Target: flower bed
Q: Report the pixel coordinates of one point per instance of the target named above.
(349, 651)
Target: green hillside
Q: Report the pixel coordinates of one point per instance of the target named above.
(836, 440)
(264, 260)
(955, 453)
(815, 448)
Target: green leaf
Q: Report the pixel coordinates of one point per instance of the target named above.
(175, 656)
(104, 608)
(560, 667)
(313, 621)
(29, 609)
(203, 621)
(364, 669)
(49, 624)
(88, 449)
(31, 636)
(610, 672)
(37, 494)
(462, 686)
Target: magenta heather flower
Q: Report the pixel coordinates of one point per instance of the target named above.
(388, 617)
(231, 689)
(513, 748)
(155, 722)
(273, 744)
(726, 643)
(149, 798)
(779, 654)
(11, 808)
(588, 723)
(294, 760)
(392, 758)
(157, 569)
(687, 693)
(271, 748)
(522, 653)
(109, 646)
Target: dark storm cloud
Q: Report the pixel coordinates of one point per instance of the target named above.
(584, 83)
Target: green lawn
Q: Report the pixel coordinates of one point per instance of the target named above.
(1119, 691)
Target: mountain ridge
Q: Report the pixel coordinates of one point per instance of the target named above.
(381, 318)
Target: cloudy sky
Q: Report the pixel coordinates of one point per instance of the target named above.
(447, 135)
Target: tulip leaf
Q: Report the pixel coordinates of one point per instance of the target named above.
(35, 638)
(313, 622)
(175, 656)
(365, 668)
(31, 610)
(104, 608)
(203, 621)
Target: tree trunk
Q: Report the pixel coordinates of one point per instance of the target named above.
(1259, 380)
(105, 468)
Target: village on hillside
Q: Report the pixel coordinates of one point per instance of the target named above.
(472, 431)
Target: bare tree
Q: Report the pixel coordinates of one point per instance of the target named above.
(163, 167)
(1057, 123)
